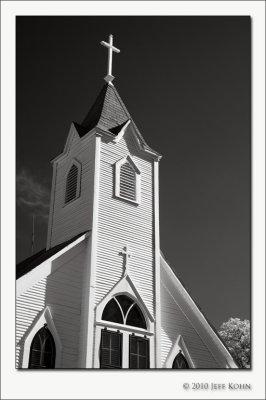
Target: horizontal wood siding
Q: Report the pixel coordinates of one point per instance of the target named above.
(121, 223)
(75, 217)
(61, 290)
(176, 319)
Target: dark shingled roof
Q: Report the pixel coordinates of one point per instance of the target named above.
(108, 113)
(30, 263)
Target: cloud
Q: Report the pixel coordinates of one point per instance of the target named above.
(32, 197)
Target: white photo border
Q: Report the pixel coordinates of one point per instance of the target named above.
(77, 384)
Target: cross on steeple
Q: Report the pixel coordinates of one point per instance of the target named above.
(127, 254)
(109, 77)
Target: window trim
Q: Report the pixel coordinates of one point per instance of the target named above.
(125, 315)
(184, 360)
(126, 333)
(118, 165)
(124, 286)
(179, 345)
(129, 350)
(121, 347)
(45, 328)
(45, 318)
(78, 191)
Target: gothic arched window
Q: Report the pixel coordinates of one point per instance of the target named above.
(72, 183)
(180, 362)
(123, 310)
(42, 351)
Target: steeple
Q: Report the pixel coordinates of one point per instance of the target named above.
(109, 114)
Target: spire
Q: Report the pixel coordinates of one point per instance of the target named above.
(109, 77)
(109, 114)
(108, 111)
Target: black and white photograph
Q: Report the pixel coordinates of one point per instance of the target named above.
(133, 192)
(133, 189)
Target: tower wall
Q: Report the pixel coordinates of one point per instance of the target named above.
(68, 220)
(122, 223)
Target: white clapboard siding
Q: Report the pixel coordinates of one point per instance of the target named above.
(121, 223)
(68, 220)
(178, 318)
(61, 290)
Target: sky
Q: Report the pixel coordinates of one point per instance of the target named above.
(186, 83)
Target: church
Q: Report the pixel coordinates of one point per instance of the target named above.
(101, 294)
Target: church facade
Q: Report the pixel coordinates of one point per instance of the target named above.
(101, 294)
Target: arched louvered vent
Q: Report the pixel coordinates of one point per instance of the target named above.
(127, 181)
(42, 351)
(72, 184)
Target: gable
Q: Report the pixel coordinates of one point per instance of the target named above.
(190, 323)
(57, 283)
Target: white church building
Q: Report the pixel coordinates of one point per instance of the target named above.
(101, 294)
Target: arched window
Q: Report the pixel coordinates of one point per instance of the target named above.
(180, 362)
(127, 181)
(72, 184)
(42, 351)
(123, 310)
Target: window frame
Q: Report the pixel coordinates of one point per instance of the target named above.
(118, 333)
(53, 356)
(180, 354)
(124, 287)
(45, 318)
(137, 337)
(179, 345)
(118, 165)
(125, 315)
(126, 333)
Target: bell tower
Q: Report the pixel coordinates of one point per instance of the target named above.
(106, 182)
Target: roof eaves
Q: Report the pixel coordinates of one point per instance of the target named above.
(27, 265)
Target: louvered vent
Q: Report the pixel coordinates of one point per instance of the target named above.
(127, 181)
(71, 184)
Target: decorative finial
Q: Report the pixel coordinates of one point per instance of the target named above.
(109, 77)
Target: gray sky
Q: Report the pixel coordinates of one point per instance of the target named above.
(186, 83)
